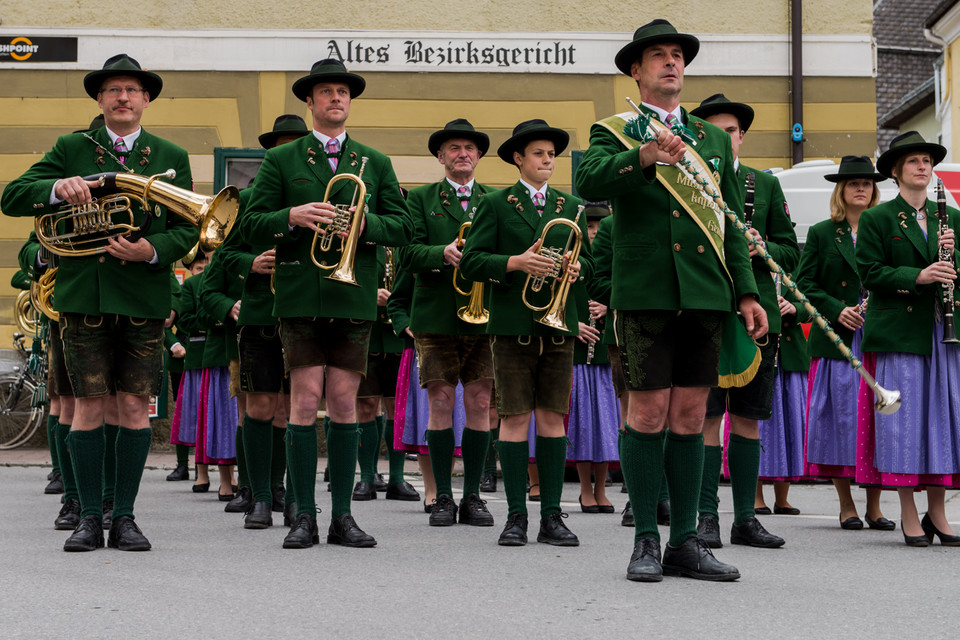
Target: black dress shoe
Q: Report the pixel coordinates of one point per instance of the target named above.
(240, 502)
(514, 532)
(694, 559)
(55, 485)
(488, 483)
(402, 491)
(364, 491)
(51, 475)
(444, 512)
(88, 535)
(588, 508)
(279, 495)
(125, 535)
(853, 523)
(786, 511)
(915, 541)
(708, 530)
(627, 519)
(428, 508)
(751, 533)
(554, 531)
(69, 516)
(534, 497)
(107, 513)
(645, 562)
(259, 516)
(303, 533)
(930, 530)
(201, 488)
(379, 482)
(228, 497)
(345, 532)
(606, 508)
(762, 511)
(663, 513)
(881, 523)
(289, 514)
(179, 473)
(473, 511)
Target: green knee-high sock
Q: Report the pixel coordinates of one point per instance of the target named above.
(183, 455)
(133, 445)
(110, 460)
(514, 457)
(302, 465)
(369, 449)
(258, 451)
(52, 442)
(243, 475)
(710, 482)
(278, 461)
(641, 459)
(342, 450)
(473, 446)
(441, 445)
(743, 456)
(86, 453)
(381, 421)
(326, 426)
(683, 462)
(490, 463)
(289, 495)
(664, 492)
(70, 491)
(396, 458)
(551, 459)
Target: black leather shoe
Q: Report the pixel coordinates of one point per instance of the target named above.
(259, 516)
(694, 559)
(786, 511)
(345, 532)
(514, 532)
(364, 491)
(427, 508)
(125, 535)
(554, 531)
(473, 511)
(69, 516)
(607, 508)
(881, 523)
(762, 511)
(107, 513)
(623, 488)
(663, 513)
(88, 536)
(627, 519)
(379, 482)
(930, 530)
(645, 562)
(444, 512)
(488, 483)
(279, 495)
(289, 514)
(751, 533)
(915, 541)
(708, 530)
(55, 485)
(588, 508)
(51, 475)
(402, 491)
(326, 474)
(179, 473)
(240, 502)
(229, 497)
(201, 488)
(303, 533)
(853, 523)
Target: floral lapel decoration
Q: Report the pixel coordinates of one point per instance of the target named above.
(353, 158)
(700, 134)
(512, 199)
(560, 202)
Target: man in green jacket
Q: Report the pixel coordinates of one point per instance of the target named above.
(112, 306)
(325, 324)
(679, 268)
(450, 349)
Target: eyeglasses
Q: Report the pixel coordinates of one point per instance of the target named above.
(115, 92)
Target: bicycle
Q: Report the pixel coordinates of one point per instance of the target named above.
(23, 394)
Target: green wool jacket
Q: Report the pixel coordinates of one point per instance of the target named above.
(102, 284)
(437, 216)
(237, 256)
(169, 335)
(27, 257)
(891, 253)
(598, 287)
(793, 344)
(190, 325)
(398, 306)
(382, 336)
(661, 258)
(581, 349)
(297, 173)
(219, 291)
(507, 224)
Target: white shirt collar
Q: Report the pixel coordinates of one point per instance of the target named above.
(662, 115)
(456, 186)
(532, 190)
(128, 139)
(324, 139)
(736, 164)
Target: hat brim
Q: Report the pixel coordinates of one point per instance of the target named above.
(632, 51)
(269, 139)
(866, 175)
(437, 138)
(151, 82)
(559, 137)
(304, 86)
(887, 160)
(743, 112)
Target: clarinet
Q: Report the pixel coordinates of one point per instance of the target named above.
(949, 332)
(592, 347)
(748, 203)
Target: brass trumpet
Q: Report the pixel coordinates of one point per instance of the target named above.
(346, 222)
(84, 229)
(556, 308)
(473, 312)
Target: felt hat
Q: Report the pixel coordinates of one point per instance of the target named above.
(909, 142)
(535, 129)
(718, 103)
(328, 70)
(95, 124)
(459, 128)
(655, 32)
(122, 65)
(285, 125)
(855, 168)
(596, 210)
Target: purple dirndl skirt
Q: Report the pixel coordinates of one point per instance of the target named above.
(411, 410)
(183, 428)
(781, 456)
(217, 419)
(594, 416)
(832, 417)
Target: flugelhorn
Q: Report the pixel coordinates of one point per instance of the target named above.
(78, 230)
(473, 312)
(560, 287)
(346, 221)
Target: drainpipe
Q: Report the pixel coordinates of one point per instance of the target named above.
(796, 45)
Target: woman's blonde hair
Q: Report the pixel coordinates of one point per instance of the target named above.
(838, 208)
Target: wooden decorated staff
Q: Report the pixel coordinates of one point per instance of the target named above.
(646, 129)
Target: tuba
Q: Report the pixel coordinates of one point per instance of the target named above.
(346, 222)
(26, 314)
(473, 312)
(41, 294)
(78, 230)
(560, 287)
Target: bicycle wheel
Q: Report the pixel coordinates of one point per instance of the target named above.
(18, 418)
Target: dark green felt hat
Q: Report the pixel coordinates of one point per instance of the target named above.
(718, 103)
(328, 70)
(122, 65)
(655, 32)
(459, 128)
(286, 125)
(909, 142)
(535, 129)
(855, 168)
(95, 124)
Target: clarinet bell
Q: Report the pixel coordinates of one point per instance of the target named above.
(888, 402)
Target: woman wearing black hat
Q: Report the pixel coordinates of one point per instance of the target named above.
(897, 257)
(828, 275)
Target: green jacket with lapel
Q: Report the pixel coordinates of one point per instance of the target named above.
(190, 325)
(219, 291)
(437, 216)
(297, 173)
(661, 258)
(382, 337)
(793, 343)
(891, 252)
(398, 306)
(102, 284)
(507, 224)
(27, 257)
(598, 287)
(237, 256)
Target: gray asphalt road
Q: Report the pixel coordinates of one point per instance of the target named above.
(207, 576)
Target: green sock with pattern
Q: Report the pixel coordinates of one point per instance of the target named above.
(257, 446)
(86, 453)
(743, 458)
(133, 445)
(52, 442)
(490, 462)
(70, 491)
(278, 461)
(243, 477)
(397, 458)
(110, 432)
(473, 446)
(301, 449)
(183, 455)
(369, 450)
(664, 492)
(551, 460)
(342, 449)
(513, 463)
(683, 462)
(641, 460)
(441, 445)
(710, 483)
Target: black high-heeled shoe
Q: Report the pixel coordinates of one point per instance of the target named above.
(201, 488)
(930, 530)
(915, 541)
(588, 508)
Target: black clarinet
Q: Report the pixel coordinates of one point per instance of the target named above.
(945, 255)
(748, 203)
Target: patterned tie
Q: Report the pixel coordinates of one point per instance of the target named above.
(121, 148)
(333, 148)
(538, 201)
(464, 194)
(671, 120)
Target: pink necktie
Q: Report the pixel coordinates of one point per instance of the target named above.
(464, 197)
(671, 120)
(538, 201)
(121, 148)
(333, 148)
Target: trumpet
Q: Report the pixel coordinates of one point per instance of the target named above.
(473, 312)
(345, 222)
(556, 307)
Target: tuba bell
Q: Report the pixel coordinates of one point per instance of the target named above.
(27, 316)
(560, 287)
(41, 294)
(346, 222)
(473, 312)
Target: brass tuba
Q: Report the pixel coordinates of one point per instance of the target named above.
(26, 314)
(41, 294)
(560, 287)
(78, 230)
(346, 222)
(473, 312)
